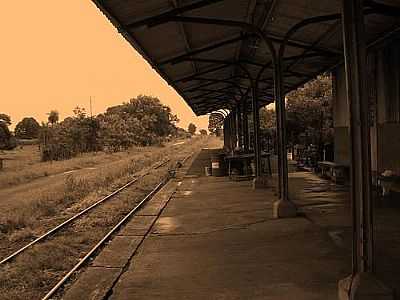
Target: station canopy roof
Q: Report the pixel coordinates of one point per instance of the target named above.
(209, 64)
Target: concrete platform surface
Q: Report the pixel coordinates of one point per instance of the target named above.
(216, 239)
(220, 242)
(211, 238)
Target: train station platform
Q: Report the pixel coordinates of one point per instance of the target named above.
(216, 239)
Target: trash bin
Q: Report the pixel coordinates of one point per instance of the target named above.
(218, 167)
(208, 171)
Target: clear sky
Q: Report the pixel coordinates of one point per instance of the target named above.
(55, 54)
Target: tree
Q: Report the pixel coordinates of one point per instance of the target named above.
(192, 128)
(7, 140)
(143, 120)
(309, 114)
(203, 132)
(53, 117)
(215, 122)
(28, 128)
(5, 118)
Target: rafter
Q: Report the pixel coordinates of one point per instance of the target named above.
(204, 49)
(193, 76)
(215, 81)
(171, 13)
(219, 61)
(184, 35)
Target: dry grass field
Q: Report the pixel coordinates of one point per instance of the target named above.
(23, 164)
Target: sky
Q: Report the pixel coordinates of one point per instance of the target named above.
(56, 54)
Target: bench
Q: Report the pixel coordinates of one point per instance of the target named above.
(338, 173)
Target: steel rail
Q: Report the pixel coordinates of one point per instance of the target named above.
(103, 240)
(81, 213)
(110, 233)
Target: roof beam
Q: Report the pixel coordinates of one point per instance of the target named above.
(272, 37)
(214, 81)
(202, 95)
(211, 81)
(194, 87)
(193, 76)
(185, 36)
(218, 61)
(203, 49)
(220, 91)
(303, 45)
(217, 92)
(210, 98)
(171, 13)
(382, 9)
(249, 19)
(229, 88)
(326, 35)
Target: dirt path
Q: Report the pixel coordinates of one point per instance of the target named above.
(17, 195)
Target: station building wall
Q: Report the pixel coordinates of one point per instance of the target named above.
(383, 69)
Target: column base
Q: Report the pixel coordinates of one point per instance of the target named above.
(364, 286)
(261, 182)
(283, 209)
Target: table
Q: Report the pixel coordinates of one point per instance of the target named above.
(247, 158)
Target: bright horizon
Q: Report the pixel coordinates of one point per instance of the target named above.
(58, 54)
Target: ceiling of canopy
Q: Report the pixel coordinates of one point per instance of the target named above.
(209, 65)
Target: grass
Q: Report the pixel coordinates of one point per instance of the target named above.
(36, 271)
(23, 165)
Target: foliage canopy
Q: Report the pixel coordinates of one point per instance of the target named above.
(27, 128)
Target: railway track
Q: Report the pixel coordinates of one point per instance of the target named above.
(80, 214)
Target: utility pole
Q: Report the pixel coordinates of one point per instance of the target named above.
(91, 112)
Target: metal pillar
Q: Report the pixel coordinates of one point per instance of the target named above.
(245, 126)
(239, 126)
(236, 128)
(256, 126)
(278, 129)
(283, 208)
(355, 66)
(361, 284)
(281, 131)
(227, 133)
(232, 130)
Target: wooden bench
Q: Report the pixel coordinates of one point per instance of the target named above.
(336, 172)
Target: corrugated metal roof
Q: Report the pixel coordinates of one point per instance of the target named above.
(163, 43)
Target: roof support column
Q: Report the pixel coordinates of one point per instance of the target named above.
(226, 133)
(283, 208)
(239, 126)
(281, 133)
(233, 129)
(256, 127)
(362, 283)
(245, 125)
